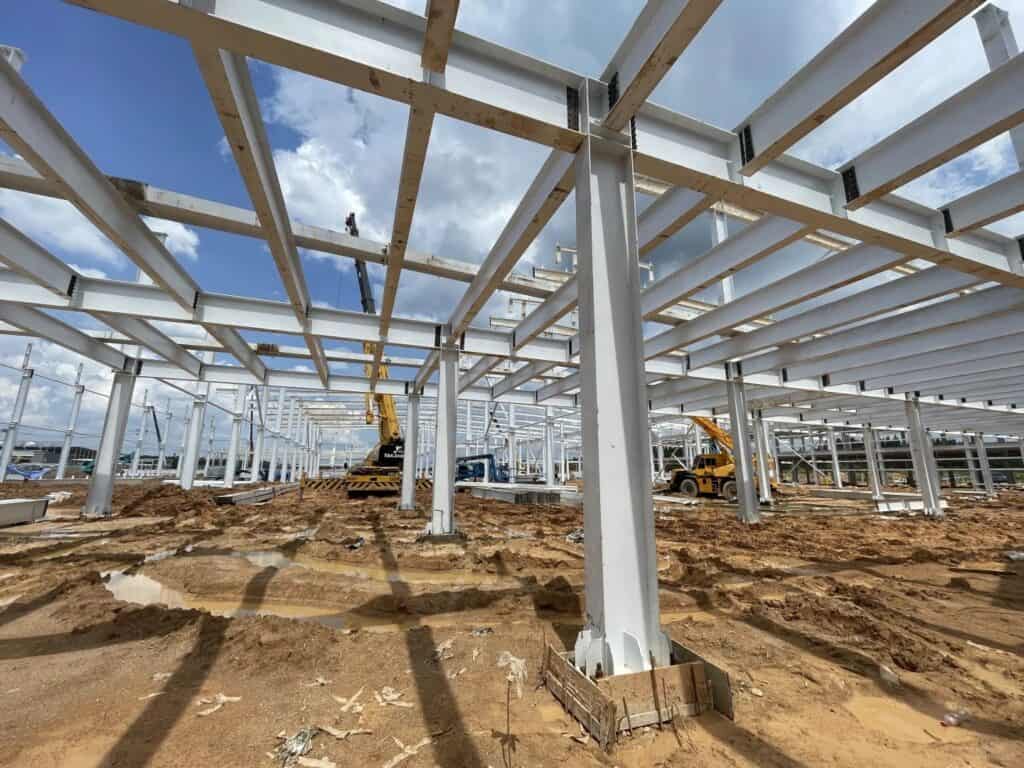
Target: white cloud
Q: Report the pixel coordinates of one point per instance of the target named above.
(181, 240)
(56, 224)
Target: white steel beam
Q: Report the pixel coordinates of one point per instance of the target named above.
(941, 358)
(668, 214)
(559, 304)
(758, 240)
(519, 377)
(829, 349)
(492, 87)
(146, 199)
(896, 294)
(817, 279)
(887, 34)
(981, 111)
(997, 201)
(27, 126)
(31, 130)
(38, 323)
(226, 75)
(478, 371)
(662, 31)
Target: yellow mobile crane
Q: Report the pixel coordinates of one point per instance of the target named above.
(712, 474)
(381, 471)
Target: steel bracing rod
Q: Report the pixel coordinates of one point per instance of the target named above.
(227, 78)
(988, 107)
(822, 277)
(838, 350)
(876, 43)
(27, 126)
(896, 294)
(509, 92)
(755, 242)
(437, 40)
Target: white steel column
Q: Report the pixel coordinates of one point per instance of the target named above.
(764, 459)
(16, 414)
(926, 481)
(561, 454)
(837, 478)
(272, 469)
(747, 509)
(193, 436)
(186, 422)
(622, 631)
(69, 434)
(140, 435)
(549, 449)
(261, 433)
(162, 451)
(442, 519)
(971, 468)
(986, 468)
(101, 484)
(412, 436)
(234, 437)
(871, 454)
(513, 446)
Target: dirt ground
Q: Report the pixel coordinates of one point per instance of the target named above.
(848, 635)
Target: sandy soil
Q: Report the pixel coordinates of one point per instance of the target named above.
(848, 636)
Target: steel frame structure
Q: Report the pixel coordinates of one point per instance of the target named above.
(925, 350)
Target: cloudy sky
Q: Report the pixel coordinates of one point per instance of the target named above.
(133, 98)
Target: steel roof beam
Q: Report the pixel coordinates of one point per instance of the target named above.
(980, 208)
(887, 34)
(988, 107)
(756, 241)
(38, 323)
(827, 275)
(510, 92)
(832, 347)
(658, 36)
(226, 75)
(896, 294)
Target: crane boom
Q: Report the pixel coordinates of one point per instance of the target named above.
(715, 432)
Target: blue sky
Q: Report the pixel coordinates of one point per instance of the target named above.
(134, 100)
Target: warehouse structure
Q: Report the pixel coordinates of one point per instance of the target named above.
(935, 348)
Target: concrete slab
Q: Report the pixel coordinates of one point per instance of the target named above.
(19, 511)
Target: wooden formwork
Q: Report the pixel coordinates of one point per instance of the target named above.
(608, 706)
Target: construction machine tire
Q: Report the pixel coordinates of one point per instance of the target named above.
(689, 488)
(729, 490)
(673, 486)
